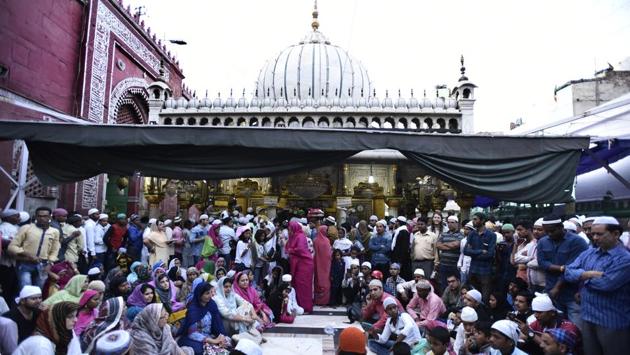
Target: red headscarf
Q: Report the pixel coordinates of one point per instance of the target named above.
(297, 245)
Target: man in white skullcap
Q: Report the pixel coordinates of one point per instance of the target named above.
(398, 324)
(408, 288)
(466, 328)
(91, 229)
(292, 305)
(605, 293)
(372, 221)
(27, 310)
(555, 251)
(374, 311)
(504, 337)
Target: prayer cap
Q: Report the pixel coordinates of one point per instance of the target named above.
(153, 221)
(376, 283)
(28, 291)
(562, 336)
(507, 227)
(452, 219)
(551, 219)
(303, 221)
(395, 266)
(287, 278)
(231, 273)
(250, 209)
(113, 343)
(476, 295)
(248, 347)
(588, 219)
(59, 212)
(121, 216)
(97, 285)
(606, 220)
(167, 222)
(216, 221)
(203, 216)
(354, 262)
(103, 216)
(418, 272)
(577, 220)
(382, 222)
(423, 284)
(243, 220)
(539, 222)
(93, 211)
(507, 328)
(542, 303)
(470, 225)
(388, 302)
(24, 216)
(352, 340)
(469, 315)
(402, 219)
(373, 218)
(177, 219)
(9, 212)
(569, 226)
(94, 271)
(392, 220)
(367, 263)
(134, 216)
(331, 220)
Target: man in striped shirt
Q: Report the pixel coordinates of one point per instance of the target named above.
(605, 294)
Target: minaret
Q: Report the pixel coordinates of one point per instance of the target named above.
(464, 93)
(315, 23)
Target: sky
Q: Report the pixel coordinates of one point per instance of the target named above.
(516, 52)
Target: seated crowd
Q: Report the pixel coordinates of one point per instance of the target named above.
(75, 285)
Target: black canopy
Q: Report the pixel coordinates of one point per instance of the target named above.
(520, 169)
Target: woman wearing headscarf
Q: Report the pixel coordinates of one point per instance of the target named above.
(133, 275)
(323, 260)
(56, 324)
(301, 264)
(167, 294)
(142, 295)
(58, 277)
(152, 335)
(88, 310)
(272, 280)
(110, 317)
(363, 235)
(72, 292)
(157, 243)
(203, 324)
(239, 318)
(243, 286)
(191, 274)
(279, 301)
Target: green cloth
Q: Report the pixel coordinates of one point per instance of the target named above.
(72, 292)
(507, 227)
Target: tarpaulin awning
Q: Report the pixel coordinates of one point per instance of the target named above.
(519, 169)
(608, 151)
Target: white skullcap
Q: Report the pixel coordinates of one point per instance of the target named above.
(423, 285)
(376, 283)
(367, 263)
(231, 273)
(588, 219)
(392, 220)
(243, 220)
(373, 218)
(331, 220)
(538, 222)
(248, 347)
(388, 302)
(469, 315)
(93, 211)
(24, 216)
(576, 220)
(203, 216)
(498, 224)
(287, 278)
(551, 220)
(122, 250)
(419, 272)
(606, 220)
(452, 219)
(115, 342)
(94, 271)
(476, 295)
(103, 216)
(216, 221)
(507, 328)
(568, 225)
(354, 262)
(402, 219)
(382, 222)
(303, 221)
(168, 222)
(28, 291)
(250, 209)
(153, 221)
(542, 303)
(470, 225)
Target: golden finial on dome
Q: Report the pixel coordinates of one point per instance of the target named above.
(315, 23)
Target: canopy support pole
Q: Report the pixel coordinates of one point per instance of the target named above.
(19, 194)
(609, 169)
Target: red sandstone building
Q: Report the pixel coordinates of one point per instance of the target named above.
(65, 59)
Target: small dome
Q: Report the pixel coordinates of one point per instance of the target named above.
(169, 103)
(182, 102)
(217, 103)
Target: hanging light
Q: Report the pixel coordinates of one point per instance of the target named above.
(371, 177)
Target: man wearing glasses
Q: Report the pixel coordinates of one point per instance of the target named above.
(36, 247)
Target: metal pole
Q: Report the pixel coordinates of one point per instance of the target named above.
(21, 193)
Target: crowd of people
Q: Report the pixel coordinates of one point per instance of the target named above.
(74, 284)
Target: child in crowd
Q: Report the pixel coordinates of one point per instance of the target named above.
(337, 271)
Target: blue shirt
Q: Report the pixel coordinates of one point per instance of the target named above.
(562, 252)
(198, 232)
(605, 300)
(380, 245)
(134, 243)
(481, 263)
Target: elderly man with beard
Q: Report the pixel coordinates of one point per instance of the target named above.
(605, 292)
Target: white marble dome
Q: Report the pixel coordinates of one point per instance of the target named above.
(314, 68)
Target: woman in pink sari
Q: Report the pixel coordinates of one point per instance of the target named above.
(301, 264)
(323, 260)
(243, 287)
